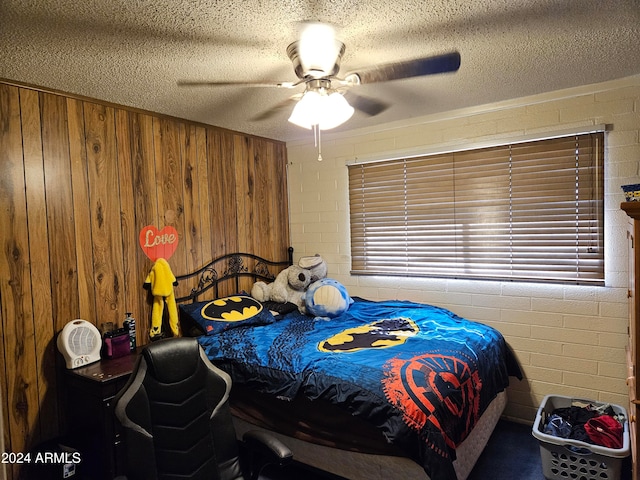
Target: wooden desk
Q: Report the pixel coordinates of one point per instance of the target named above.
(90, 393)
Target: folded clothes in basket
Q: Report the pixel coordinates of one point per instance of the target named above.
(594, 425)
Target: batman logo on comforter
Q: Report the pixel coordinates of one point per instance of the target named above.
(384, 333)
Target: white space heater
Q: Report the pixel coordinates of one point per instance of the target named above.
(79, 343)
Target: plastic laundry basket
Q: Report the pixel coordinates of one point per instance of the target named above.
(569, 459)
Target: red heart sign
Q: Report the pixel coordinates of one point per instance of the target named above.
(158, 243)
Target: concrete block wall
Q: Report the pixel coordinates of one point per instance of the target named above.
(569, 340)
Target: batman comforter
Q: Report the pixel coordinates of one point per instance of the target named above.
(419, 373)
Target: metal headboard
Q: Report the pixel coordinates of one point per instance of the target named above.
(232, 267)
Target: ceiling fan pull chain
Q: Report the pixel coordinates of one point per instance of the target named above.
(319, 143)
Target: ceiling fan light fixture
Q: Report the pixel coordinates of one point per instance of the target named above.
(318, 108)
(304, 112)
(337, 111)
(319, 50)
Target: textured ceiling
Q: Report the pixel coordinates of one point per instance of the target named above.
(133, 52)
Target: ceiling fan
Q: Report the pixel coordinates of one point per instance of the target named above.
(316, 57)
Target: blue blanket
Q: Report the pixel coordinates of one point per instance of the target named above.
(419, 373)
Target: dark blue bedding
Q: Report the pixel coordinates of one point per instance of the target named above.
(419, 373)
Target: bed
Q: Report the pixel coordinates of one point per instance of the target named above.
(391, 389)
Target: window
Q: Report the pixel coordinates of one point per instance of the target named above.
(523, 211)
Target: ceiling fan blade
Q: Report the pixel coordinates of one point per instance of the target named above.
(195, 83)
(276, 109)
(448, 62)
(367, 105)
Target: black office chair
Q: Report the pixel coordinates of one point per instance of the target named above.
(177, 422)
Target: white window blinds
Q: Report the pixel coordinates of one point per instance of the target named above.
(525, 211)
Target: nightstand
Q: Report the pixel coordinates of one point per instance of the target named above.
(90, 393)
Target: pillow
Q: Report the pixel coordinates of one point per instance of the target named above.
(222, 314)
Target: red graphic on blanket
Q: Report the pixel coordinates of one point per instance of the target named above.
(435, 389)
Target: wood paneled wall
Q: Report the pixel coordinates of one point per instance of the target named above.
(78, 181)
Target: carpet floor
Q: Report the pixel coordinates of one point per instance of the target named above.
(511, 454)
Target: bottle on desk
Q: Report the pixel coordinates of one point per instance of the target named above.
(130, 324)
